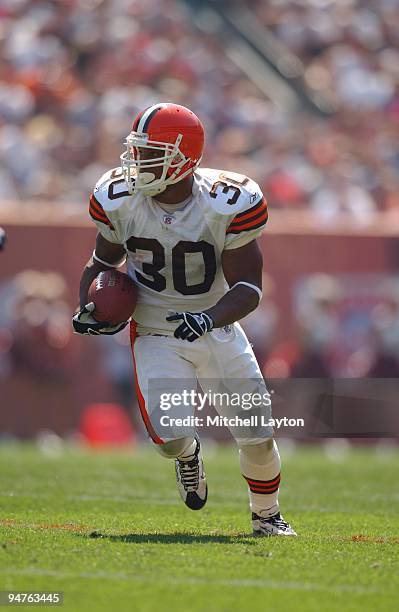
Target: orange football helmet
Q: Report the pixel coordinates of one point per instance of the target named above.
(167, 136)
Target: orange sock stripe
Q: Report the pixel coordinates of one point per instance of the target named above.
(263, 487)
(140, 397)
(272, 489)
(262, 483)
(264, 491)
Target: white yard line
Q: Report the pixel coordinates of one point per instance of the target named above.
(145, 499)
(239, 583)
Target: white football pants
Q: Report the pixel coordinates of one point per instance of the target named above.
(168, 371)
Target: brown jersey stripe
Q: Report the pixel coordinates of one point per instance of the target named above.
(254, 207)
(96, 217)
(254, 216)
(97, 212)
(249, 226)
(100, 214)
(103, 219)
(247, 214)
(96, 204)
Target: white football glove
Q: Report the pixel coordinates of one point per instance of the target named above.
(83, 323)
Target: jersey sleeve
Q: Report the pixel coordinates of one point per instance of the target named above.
(248, 224)
(101, 220)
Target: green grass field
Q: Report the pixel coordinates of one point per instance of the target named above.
(110, 532)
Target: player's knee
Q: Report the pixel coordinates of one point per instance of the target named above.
(174, 448)
(259, 453)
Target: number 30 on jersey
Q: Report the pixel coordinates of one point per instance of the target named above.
(153, 269)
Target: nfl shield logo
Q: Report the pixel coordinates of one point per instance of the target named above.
(167, 219)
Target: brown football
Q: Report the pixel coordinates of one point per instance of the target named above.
(114, 295)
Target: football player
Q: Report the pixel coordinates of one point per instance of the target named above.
(188, 236)
(2, 238)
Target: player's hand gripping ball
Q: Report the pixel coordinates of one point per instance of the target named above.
(112, 298)
(114, 295)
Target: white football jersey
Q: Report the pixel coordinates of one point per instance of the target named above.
(176, 257)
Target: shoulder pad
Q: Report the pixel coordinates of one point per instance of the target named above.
(111, 191)
(228, 193)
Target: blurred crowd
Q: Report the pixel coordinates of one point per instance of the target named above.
(347, 327)
(348, 51)
(35, 326)
(74, 73)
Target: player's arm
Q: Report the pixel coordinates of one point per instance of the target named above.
(105, 256)
(242, 268)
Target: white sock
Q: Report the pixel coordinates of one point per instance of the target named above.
(260, 465)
